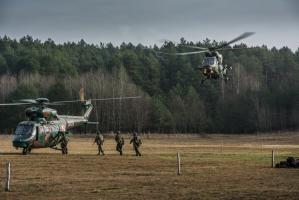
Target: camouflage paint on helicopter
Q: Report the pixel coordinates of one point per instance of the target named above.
(40, 135)
(45, 128)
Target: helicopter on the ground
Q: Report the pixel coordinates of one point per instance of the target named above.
(212, 66)
(44, 127)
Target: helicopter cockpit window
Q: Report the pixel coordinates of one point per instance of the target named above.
(24, 129)
(209, 61)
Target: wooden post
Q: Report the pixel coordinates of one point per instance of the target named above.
(7, 177)
(273, 160)
(179, 163)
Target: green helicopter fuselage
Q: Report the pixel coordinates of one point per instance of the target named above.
(45, 128)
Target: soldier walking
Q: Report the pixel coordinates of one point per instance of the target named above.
(99, 139)
(136, 143)
(119, 143)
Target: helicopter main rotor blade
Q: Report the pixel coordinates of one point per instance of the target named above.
(71, 101)
(238, 48)
(116, 98)
(15, 104)
(30, 101)
(102, 99)
(185, 53)
(54, 104)
(241, 37)
(196, 47)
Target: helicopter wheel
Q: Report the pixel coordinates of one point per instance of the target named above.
(25, 151)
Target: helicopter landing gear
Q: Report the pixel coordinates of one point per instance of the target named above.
(26, 150)
(226, 79)
(63, 144)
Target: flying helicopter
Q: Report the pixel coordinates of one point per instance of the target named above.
(45, 128)
(212, 66)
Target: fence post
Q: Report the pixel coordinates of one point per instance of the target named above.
(179, 163)
(7, 188)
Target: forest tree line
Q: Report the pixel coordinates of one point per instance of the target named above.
(261, 95)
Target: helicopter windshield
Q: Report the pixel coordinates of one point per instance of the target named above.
(209, 61)
(24, 129)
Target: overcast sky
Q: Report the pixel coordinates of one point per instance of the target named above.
(276, 22)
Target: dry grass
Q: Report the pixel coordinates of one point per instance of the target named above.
(213, 167)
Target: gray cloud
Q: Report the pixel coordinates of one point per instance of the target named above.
(148, 21)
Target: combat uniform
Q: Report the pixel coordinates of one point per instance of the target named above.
(136, 144)
(99, 139)
(119, 143)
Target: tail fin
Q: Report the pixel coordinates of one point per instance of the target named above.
(87, 109)
(86, 104)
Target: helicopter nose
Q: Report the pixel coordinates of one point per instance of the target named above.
(20, 143)
(206, 70)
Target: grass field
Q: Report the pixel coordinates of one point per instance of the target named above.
(213, 167)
